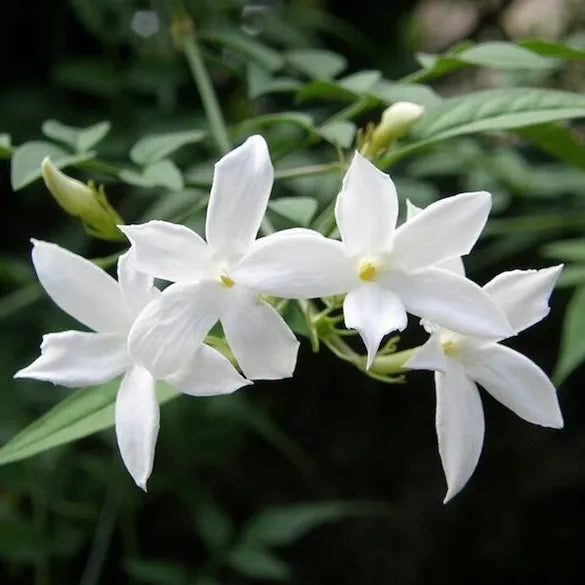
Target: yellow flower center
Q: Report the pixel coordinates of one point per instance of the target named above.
(226, 281)
(367, 270)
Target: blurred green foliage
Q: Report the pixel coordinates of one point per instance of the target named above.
(109, 95)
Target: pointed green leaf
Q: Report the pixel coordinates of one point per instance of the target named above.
(79, 139)
(260, 82)
(257, 51)
(572, 352)
(300, 210)
(554, 49)
(340, 132)
(502, 55)
(285, 524)
(316, 63)
(153, 148)
(360, 82)
(25, 166)
(82, 413)
(257, 562)
(163, 173)
(490, 110)
(566, 250)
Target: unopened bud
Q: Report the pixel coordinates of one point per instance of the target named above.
(396, 120)
(86, 202)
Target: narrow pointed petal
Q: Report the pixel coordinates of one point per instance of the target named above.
(80, 288)
(208, 373)
(239, 195)
(523, 294)
(260, 339)
(137, 423)
(366, 209)
(137, 287)
(169, 331)
(460, 426)
(429, 356)
(374, 311)
(455, 264)
(451, 301)
(76, 359)
(443, 230)
(169, 251)
(296, 265)
(517, 382)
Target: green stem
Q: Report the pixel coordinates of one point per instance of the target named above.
(307, 171)
(184, 30)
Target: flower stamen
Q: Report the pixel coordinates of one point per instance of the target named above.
(226, 281)
(367, 270)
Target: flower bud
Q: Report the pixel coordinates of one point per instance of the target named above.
(396, 120)
(85, 202)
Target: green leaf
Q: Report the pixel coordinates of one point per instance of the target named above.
(155, 147)
(554, 49)
(360, 82)
(156, 572)
(284, 525)
(261, 83)
(572, 276)
(316, 63)
(257, 562)
(502, 55)
(163, 173)
(257, 51)
(25, 166)
(557, 140)
(295, 118)
(214, 526)
(491, 110)
(82, 413)
(572, 352)
(340, 133)
(300, 210)
(79, 139)
(566, 250)
(390, 92)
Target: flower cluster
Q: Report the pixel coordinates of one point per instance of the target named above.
(383, 271)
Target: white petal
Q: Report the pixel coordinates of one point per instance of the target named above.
(137, 423)
(137, 287)
(460, 426)
(523, 294)
(366, 208)
(515, 381)
(169, 251)
(207, 374)
(75, 359)
(239, 195)
(80, 288)
(296, 265)
(170, 329)
(443, 230)
(374, 311)
(260, 339)
(429, 356)
(451, 301)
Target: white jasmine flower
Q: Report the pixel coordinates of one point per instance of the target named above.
(77, 358)
(206, 289)
(460, 362)
(385, 271)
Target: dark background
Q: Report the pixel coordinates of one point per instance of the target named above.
(518, 520)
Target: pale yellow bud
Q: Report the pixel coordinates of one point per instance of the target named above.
(85, 202)
(396, 120)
